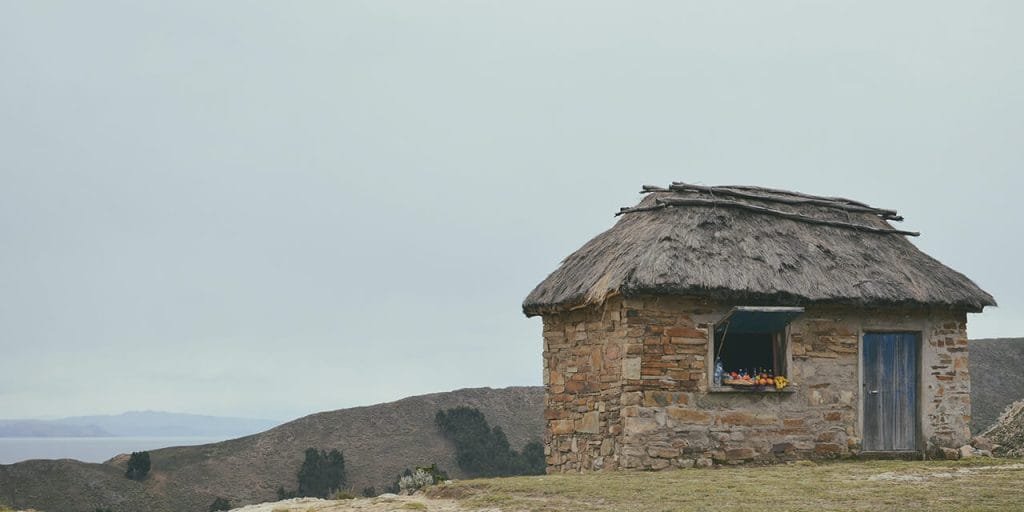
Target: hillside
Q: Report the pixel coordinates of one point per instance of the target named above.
(1008, 431)
(378, 442)
(997, 378)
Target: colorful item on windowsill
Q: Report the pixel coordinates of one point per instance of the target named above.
(754, 380)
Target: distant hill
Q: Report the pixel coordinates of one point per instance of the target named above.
(43, 428)
(136, 424)
(170, 424)
(997, 378)
(378, 442)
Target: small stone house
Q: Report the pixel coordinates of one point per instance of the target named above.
(869, 331)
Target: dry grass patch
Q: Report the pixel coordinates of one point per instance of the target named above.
(973, 484)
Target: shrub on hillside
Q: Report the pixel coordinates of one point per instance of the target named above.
(483, 451)
(138, 466)
(394, 488)
(220, 504)
(409, 480)
(283, 494)
(414, 482)
(422, 477)
(343, 495)
(321, 473)
(530, 461)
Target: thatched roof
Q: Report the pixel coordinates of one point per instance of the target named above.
(754, 246)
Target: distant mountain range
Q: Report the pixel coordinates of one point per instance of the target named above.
(137, 424)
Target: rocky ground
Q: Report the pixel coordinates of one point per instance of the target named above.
(382, 503)
(1007, 434)
(869, 486)
(996, 378)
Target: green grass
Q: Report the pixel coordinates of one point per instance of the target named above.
(973, 484)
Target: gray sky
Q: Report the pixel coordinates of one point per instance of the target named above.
(274, 208)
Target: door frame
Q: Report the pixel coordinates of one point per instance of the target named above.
(919, 420)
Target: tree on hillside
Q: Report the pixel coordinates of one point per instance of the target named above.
(138, 466)
(484, 451)
(321, 473)
(530, 461)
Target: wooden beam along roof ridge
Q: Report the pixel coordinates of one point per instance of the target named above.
(684, 201)
(794, 199)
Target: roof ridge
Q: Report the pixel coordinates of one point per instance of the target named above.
(775, 195)
(683, 194)
(680, 201)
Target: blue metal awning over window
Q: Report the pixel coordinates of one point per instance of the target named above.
(749, 319)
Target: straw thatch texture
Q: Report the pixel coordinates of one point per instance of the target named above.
(721, 243)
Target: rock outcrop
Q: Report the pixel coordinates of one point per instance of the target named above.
(1007, 433)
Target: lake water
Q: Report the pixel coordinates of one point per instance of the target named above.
(86, 449)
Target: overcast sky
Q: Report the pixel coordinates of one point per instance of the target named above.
(274, 208)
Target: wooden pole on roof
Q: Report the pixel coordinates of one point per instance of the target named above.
(837, 203)
(682, 201)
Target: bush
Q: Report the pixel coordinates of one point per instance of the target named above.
(343, 495)
(138, 466)
(282, 494)
(482, 451)
(394, 487)
(220, 504)
(321, 473)
(530, 461)
(369, 492)
(412, 481)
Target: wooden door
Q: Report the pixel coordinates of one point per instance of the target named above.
(890, 391)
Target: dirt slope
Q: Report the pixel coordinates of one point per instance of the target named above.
(1008, 431)
(997, 378)
(378, 442)
(55, 485)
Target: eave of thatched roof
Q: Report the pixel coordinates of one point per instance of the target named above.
(757, 246)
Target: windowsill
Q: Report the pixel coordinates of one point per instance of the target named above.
(753, 389)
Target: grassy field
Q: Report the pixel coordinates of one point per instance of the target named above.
(972, 484)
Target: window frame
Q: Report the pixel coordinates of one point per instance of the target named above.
(782, 337)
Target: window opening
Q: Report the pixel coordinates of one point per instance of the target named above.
(750, 347)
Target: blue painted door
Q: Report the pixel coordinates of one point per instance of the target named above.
(890, 391)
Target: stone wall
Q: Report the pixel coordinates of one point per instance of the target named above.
(946, 389)
(628, 386)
